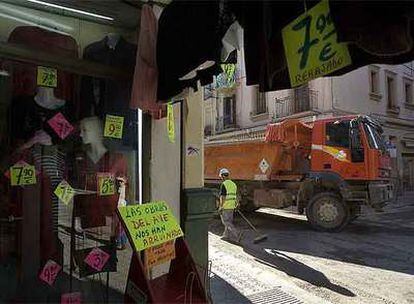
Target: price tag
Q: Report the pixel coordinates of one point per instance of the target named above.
(170, 123)
(311, 46)
(22, 174)
(106, 184)
(71, 298)
(60, 125)
(114, 126)
(50, 272)
(97, 259)
(46, 77)
(64, 192)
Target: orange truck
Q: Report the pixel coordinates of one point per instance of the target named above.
(329, 168)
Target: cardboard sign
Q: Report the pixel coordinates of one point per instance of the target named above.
(106, 184)
(50, 272)
(311, 46)
(160, 254)
(60, 125)
(170, 123)
(22, 174)
(71, 298)
(46, 77)
(97, 259)
(64, 192)
(149, 225)
(114, 126)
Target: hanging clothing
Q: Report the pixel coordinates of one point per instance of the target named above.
(27, 117)
(100, 97)
(24, 75)
(189, 35)
(93, 208)
(144, 88)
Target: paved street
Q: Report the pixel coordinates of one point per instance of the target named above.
(371, 261)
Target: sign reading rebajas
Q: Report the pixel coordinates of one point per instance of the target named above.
(311, 46)
(150, 224)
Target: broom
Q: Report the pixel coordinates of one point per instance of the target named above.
(259, 237)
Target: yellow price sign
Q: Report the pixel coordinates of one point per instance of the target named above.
(311, 46)
(64, 192)
(46, 77)
(150, 225)
(22, 174)
(114, 126)
(170, 123)
(106, 184)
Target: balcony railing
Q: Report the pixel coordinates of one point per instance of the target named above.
(301, 101)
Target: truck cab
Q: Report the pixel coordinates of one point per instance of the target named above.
(351, 152)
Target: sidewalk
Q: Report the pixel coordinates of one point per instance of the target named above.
(238, 278)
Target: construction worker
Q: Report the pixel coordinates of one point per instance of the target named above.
(227, 204)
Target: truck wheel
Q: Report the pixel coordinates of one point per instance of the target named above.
(327, 212)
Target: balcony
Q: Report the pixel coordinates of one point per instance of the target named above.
(302, 100)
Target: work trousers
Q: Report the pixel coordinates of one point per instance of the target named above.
(230, 230)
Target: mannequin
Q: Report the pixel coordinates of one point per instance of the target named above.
(92, 134)
(93, 209)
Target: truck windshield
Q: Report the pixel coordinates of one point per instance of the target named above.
(374, 137)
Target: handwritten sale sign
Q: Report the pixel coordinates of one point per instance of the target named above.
(114, 126)
(149, 225)
(160, 254)
(60, 125)
(50, 272)
(311, 46)
(71, 298)
(46, 77)
(64, 192)
(106, 184)
(22, 174)
(97, 259)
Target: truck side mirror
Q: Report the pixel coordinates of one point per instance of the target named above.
(357, 150)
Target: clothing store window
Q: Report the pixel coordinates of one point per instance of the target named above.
(69, 159)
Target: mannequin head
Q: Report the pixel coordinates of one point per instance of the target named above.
(91, 130)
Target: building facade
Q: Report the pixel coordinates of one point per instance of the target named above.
(382, 91)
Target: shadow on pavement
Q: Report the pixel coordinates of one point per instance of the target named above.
(223, 292)
(294, 268)
(384, 243)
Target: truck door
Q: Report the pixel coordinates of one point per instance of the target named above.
(337, 155)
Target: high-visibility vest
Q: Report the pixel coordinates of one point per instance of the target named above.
(230, 201)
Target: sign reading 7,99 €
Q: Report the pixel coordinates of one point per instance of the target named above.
(114, 126)
(311, 46)
(22, 174)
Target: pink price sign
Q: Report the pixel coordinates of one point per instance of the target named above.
(71, 298)
(60, 125)
(50, 272)
(97, 259)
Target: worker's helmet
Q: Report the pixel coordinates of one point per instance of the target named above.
(224, 172)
